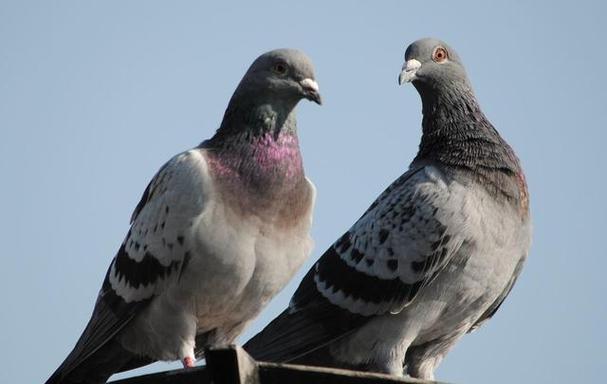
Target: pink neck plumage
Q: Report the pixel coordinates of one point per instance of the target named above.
(267, 159)
(272, 154)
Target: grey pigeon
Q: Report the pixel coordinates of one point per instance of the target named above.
(431, 259)
(219, 231)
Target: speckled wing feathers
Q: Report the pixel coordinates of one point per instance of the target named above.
(397, 247)
(151, 254)
(158, 240)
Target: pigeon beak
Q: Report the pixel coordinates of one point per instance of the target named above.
(310, 90)
(408, 72)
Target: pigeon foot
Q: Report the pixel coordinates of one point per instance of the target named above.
(188, 362)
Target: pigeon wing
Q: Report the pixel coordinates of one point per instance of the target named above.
(399, 245)
(151, 256)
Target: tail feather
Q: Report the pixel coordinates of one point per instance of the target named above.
(97, 368)
(295, 335)
(279, 341)
(309, 324)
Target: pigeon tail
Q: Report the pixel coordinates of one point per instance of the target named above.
(97, 368)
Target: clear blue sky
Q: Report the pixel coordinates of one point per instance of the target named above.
(96, 96)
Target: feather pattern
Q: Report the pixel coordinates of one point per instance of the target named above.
(367, 272)
(431, 259)
(219, 230)
(145, 261)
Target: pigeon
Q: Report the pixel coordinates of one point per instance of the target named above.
(220, 229)
(432, 258)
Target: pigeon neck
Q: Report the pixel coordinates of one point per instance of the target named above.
(258, 146)
(244, 122)
(446, 105)
(457, 134)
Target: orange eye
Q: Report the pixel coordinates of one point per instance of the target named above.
(440, 54)
(280, 68)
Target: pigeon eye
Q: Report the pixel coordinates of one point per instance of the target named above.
(279, 68)
(440, 54)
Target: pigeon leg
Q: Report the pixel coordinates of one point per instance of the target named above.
(188, 362)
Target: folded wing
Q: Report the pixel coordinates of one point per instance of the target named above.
(151, 256)
(378, 267)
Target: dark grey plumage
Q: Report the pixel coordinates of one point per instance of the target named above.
(431, 259)
(218, 232)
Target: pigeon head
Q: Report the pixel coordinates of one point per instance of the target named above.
(432, 64)
(283, 74)
(266, 97)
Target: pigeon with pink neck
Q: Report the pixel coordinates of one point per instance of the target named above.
(434, 256)
(219, 231)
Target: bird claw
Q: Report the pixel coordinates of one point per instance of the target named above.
(188, 362)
